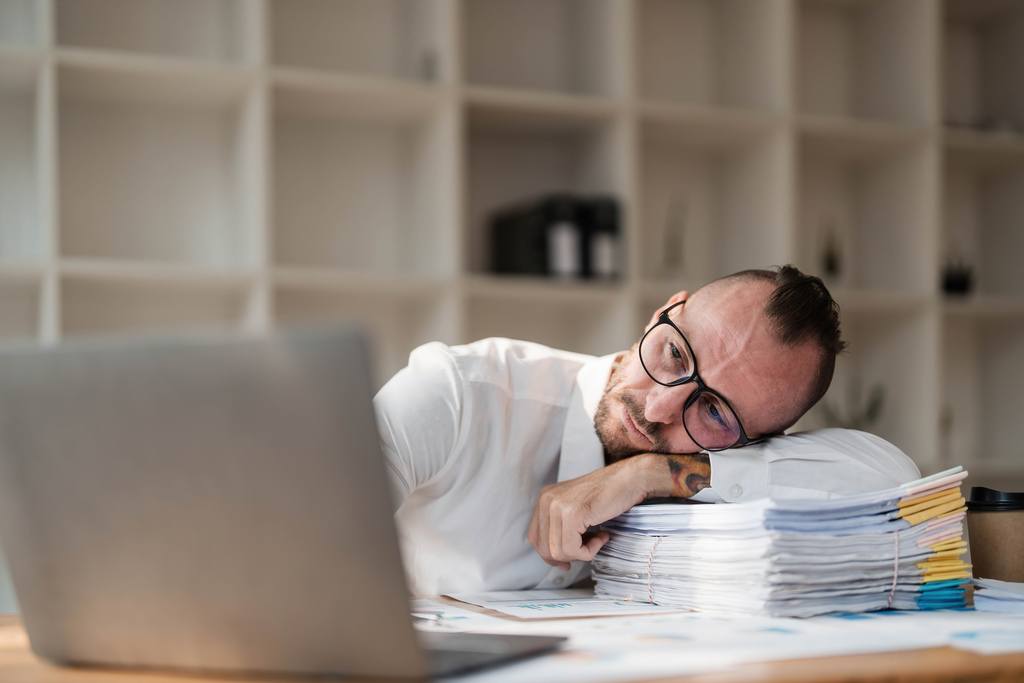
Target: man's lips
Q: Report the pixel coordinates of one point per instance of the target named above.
(631, 426)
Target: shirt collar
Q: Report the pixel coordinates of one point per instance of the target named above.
(582, 451)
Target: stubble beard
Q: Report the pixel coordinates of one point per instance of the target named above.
(614, 440)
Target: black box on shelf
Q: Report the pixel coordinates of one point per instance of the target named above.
(559, 235)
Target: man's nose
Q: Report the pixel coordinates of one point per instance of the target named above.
(665, 404)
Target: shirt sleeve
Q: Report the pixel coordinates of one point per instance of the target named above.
(825, 463)
(419, 415)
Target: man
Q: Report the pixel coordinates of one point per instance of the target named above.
(503, 454)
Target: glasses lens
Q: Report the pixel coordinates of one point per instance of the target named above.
(665, 355)
(711, 423)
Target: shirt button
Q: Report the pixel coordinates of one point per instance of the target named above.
(736, 491)
(558, 581)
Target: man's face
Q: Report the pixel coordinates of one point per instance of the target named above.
(737, 356)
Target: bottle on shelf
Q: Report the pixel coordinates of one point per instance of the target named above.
(602, 242)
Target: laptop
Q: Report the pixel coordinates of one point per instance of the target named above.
(211, 504)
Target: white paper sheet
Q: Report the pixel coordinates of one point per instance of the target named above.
(621, 648)
(556, 604)
(993, 595)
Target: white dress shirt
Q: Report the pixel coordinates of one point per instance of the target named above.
(472, 433)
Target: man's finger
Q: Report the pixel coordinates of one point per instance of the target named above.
(555, 521)
(543, 512)
(572, 538)
(594, 544)
(531, 531)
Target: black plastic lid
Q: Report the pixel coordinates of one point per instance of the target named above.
(984, 499)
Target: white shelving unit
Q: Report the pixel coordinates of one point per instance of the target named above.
(248, 164)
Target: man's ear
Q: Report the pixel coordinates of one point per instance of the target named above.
(672, 300)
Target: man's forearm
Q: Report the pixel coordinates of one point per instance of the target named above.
(677, 476)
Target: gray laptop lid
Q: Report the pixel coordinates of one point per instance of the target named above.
(202, 503)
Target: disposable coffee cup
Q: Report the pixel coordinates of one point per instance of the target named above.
(995, 525)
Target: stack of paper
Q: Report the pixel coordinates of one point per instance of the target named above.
(991, 595)
(899, 548)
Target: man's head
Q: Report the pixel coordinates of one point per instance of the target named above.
(765, 340)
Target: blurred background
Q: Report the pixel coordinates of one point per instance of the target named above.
(541, 169)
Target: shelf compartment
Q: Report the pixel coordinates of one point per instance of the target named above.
(214, 30)
(729, 53)
(896, 351)
(995, 146)
(361, 178)
(866, 59)
(521, 108)
(984, 307)
(982, 379)
(117, 304)
(597, 324)
(712, 200)
(21, 22)
(983, 52)
(867, 210)
(406, 39)
(983, 204)
(520, 154)
(546, 290)
(155, 273)
(20, 308)
(568, 46)
(328, 280)
(857, 301)
(156, 161)
(22, 233)
(396, 324)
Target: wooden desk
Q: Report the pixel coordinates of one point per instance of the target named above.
(19, 665)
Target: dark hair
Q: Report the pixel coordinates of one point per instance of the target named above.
(802, 309)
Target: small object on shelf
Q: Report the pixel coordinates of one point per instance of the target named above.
(601, 238)
(957, 278)
(428, 70)
(860, 416)
(673, 238)
(559, 235)
(564, 237)
(831, 258)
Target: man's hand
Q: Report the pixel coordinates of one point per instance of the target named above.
(564, 511)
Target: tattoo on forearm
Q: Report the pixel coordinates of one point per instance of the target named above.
(690, 474)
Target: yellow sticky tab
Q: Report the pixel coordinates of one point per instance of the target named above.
(951, 544)
(930, 578)
(915, 500)
(933, 512)
(946, 554)
(932, 567)
(915, 506)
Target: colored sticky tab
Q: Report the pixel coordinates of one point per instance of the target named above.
(964, 574)
(941, 585)
(952, 544)
(929, 502)
(935, 511)
(950, 492)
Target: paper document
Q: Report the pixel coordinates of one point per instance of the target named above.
(631, 647)
(899, 548)
(557, 604)
(992, 595)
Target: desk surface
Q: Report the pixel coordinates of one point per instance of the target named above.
(19, 665)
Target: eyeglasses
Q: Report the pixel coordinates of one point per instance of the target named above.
(668, 359)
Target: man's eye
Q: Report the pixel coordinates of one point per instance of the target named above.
(674, 350)
(715, 413)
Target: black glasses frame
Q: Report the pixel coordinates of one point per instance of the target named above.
(702, 387)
